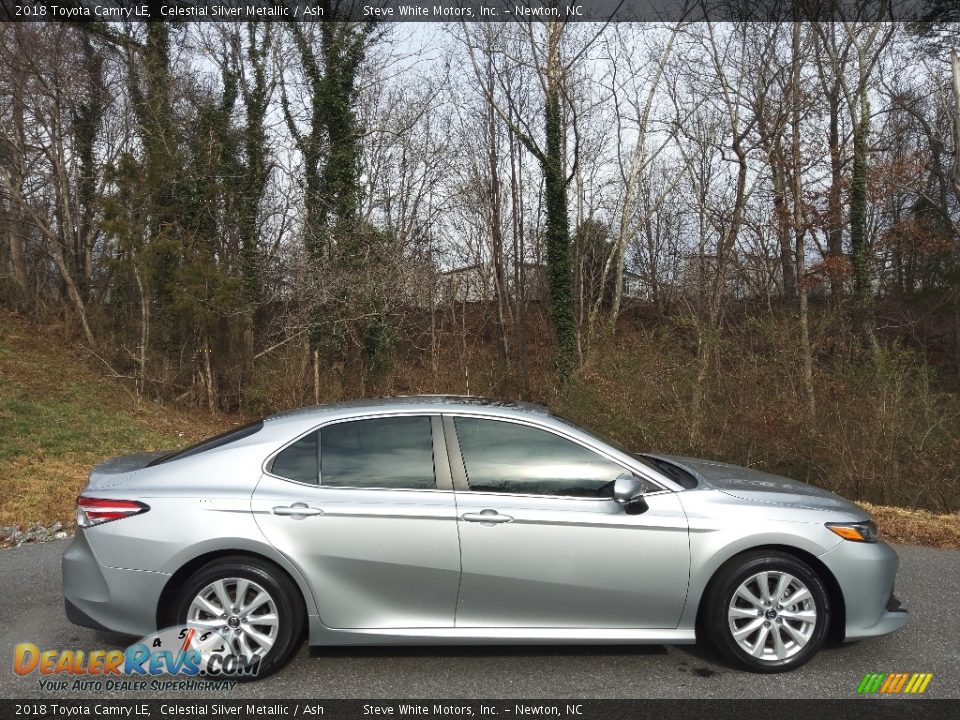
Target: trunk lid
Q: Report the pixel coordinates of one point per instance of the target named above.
(118, 470)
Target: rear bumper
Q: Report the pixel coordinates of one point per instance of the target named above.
(79, 617)
(866, 574)
(108, 598)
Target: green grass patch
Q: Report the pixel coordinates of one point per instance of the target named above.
(61, 413)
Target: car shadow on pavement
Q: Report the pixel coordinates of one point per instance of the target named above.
(705, 653)
(104, 638)
(408, 651)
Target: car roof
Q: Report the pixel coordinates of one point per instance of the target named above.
(412, 403)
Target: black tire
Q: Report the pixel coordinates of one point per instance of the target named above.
(720, 595)
(282, 590)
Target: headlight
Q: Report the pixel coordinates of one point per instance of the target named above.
(855, 531)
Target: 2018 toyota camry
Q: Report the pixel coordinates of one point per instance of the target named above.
(429, 520)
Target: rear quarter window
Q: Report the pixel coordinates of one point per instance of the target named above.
(299, 461)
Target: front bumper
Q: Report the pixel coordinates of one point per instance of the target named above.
(108, 598)
(866, 574)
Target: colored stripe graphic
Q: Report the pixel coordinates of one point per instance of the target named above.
(871, 683)
(889, 682)
(900, 682)
(894, 683)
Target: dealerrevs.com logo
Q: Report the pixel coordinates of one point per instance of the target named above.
(894, 683)
(176, 651)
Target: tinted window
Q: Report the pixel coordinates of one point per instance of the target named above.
(394, 452)
(511, 458)
(299, 461)
(210, 443)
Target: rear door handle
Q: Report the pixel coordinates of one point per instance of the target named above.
(297, 510)
(486, 516)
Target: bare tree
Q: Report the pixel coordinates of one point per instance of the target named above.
(53, 130)
(546, 53)
(633, 92)
(863, 44)
(722, 112)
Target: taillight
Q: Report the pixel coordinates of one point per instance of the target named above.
(94, 511)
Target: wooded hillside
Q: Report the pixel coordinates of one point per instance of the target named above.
(731, 240)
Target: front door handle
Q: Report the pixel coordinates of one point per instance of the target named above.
(297, 510)
(486, 516)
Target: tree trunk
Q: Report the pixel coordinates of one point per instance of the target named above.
(955, 69)
(558, 231)
(799, 226)
(835, 260)
(144, 331)
(15, 219)
(74, 298)
(781, 215)
(496, 228)
(519, 250)
(208, 380)
(955, 72)
(73, 293)
(254, 182)
(87, 124)
(709, 329)
(863, 309)
(18, 265)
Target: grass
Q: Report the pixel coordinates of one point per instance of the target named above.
(62, 411)
(916, 527)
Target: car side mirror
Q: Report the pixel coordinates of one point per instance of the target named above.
(628, 489)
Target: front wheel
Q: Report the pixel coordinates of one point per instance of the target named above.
(767, 612)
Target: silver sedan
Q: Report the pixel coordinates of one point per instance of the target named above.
(445, 520)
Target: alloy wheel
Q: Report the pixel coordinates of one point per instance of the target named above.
(772, 615)
(241, 611)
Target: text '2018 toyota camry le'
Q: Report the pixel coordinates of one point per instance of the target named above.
(430, 520)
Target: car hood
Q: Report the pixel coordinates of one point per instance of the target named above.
(761, 487)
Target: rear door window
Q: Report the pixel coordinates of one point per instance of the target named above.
(389, 452)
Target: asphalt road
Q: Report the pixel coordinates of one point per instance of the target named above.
(929, 585)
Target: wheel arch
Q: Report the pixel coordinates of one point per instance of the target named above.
(838, 612)
(178, 578)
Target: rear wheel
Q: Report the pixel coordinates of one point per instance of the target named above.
(767, 612)
(253, 606)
